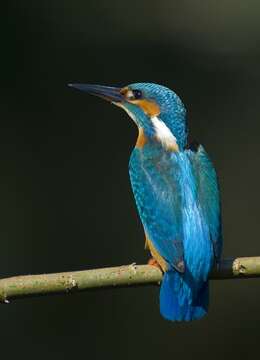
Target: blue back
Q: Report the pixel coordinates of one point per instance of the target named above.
(178, 202)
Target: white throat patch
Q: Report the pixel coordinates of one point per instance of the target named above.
(164, 134)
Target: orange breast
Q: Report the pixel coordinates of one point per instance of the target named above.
(155, 254)
(141, 140)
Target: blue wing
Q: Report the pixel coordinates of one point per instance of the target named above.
(208, 194)
(169, 186)
(156, 187)
(177, 197)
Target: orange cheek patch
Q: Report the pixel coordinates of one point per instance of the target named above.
(148, 106)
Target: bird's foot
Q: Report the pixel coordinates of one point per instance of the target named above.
(152, 261)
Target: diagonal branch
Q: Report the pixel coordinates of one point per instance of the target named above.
(129, 275)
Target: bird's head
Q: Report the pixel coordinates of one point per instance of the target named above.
(157, 111)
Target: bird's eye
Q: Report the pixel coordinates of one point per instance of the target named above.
(137, 94)
(132, 94)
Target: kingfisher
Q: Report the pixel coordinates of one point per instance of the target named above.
(176, 191)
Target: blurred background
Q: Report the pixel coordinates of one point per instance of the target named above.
(66, 202)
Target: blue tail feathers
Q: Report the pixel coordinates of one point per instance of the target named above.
(179, 301)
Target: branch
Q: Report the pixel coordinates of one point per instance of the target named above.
(67, 282)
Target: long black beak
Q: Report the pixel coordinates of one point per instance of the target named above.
(108, 93)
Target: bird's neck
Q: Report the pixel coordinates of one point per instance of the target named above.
(157, 140)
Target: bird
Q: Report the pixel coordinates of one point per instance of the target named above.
(177, 194)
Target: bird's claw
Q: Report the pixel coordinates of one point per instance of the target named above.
(153, 262)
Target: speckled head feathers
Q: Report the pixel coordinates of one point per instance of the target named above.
(160, 103)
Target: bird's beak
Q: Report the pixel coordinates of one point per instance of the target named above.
(108, 93)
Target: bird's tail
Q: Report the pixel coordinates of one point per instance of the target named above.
(179, 300)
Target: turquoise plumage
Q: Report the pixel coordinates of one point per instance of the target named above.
(176, 191)
(176, 207)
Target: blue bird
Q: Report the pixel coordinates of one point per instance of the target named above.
(177, 195)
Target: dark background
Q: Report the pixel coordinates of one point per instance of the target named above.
(66, 202)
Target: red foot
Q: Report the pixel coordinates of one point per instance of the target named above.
(153, 262)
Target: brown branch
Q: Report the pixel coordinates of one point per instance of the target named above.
(129, 275)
